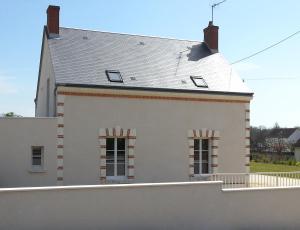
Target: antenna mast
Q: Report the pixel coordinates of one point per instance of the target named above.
(212, 9)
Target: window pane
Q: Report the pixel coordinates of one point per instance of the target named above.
(114, 76)
(121, 143)
(205, 156)
(109, 169)
(37, 156)
(36, 153)
(121, 157)
(115, 157)
(196, 156)
(110, 157)
(36, 161)
(205, 144)
(204, 167)
(110, 143)
(121, 169)
(196, 144)
(199, 81)
(196, 168)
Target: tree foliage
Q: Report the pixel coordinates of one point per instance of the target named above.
(258, 136)
(262, 141)
(10, 114)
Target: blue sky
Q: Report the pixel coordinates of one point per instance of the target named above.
(245, 27)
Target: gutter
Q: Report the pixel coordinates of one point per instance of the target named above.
(154, 89)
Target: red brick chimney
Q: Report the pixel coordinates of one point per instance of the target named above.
(53, 21)
(211, 37)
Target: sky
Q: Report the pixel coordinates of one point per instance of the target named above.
(244, 28)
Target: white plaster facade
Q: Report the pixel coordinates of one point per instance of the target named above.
(46, 84)
(17, 136)
(160, 124)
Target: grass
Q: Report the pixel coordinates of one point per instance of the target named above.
(268, 167)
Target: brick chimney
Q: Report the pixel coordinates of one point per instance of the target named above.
(53, 21)
(211, 37)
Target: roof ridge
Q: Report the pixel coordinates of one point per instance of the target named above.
(139, 35)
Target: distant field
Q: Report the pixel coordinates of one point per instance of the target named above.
(264, 167)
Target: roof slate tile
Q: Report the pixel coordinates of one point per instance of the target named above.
(83, 56)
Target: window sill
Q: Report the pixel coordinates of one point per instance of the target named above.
(117, 180)
(201, 177)
(37, 170)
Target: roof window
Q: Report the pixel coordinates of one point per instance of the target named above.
(114, 76)
(199, 81)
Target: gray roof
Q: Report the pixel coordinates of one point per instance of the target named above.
(82, 57)
(297, 144)
(282, 132)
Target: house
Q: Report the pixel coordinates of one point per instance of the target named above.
(297, 150)
(121, 108)
(282, 139)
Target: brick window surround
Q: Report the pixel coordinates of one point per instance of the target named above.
(214, 137)
(60, 139)
(247, 137)
(117, 132)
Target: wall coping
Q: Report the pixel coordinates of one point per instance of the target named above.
(259, 189)
(20, 118)
(107, 186)
(141, 185)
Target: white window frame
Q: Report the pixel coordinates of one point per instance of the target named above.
(200, 156)
(110, 77)
(41, 167)
(196, 82)
(116, 177)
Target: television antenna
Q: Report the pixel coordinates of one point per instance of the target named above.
(212, 9)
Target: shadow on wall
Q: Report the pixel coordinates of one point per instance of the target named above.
(198, 51)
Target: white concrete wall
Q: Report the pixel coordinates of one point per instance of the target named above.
(17, 135)
(297, 153)
(47, 72)
(149, 206)
(161, 152)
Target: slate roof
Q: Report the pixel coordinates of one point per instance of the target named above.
(81, 57)
(282, 132)
(297, 144)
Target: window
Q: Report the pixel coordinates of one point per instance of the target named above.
(199, 82)
(37, 159)
(116, 157)
(201, 156)
(114, 76)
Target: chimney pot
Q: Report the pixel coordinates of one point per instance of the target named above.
(53, 21)
(211, 37)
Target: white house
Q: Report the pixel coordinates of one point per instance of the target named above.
(282, 139)
(121, 108)
(297, 150)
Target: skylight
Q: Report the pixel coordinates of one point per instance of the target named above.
(199, 81)
(114, 76)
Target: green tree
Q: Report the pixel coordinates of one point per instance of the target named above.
(11, 114)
